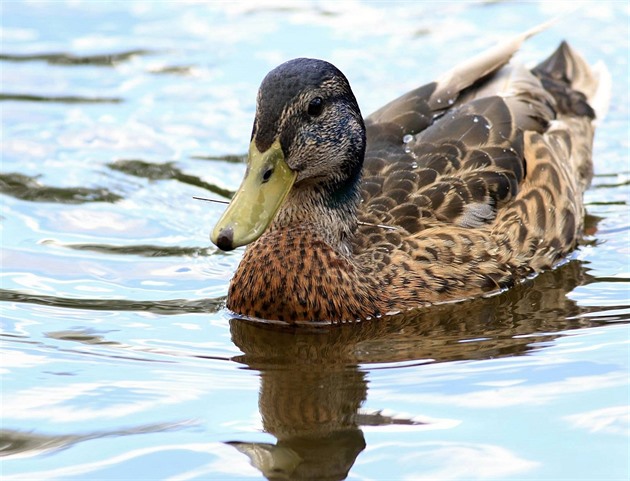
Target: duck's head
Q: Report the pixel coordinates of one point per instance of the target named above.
(308, 134)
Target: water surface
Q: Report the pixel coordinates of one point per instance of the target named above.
(119, 360)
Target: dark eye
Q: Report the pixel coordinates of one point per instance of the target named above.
(267, 175)
(315, 107)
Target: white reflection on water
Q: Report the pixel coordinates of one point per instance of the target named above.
(74, 402)
(12, 359)
(97, 136)
(227, 461)
(112, 399)
(25, 149)
(526, 395)
(81, 220)
(444, 460)
(611, 420)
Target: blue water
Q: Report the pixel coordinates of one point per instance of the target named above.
(118, 358)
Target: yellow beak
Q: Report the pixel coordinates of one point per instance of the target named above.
(267, 182)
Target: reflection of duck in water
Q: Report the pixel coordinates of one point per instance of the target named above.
(478, 178)
(312, 391)
(313, 414)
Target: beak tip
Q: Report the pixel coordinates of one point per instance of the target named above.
(225, 239)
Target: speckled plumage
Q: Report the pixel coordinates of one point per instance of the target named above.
(480, 176)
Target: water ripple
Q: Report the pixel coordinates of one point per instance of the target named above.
(143, 250)
(105, 60)
(23, 444)
(63, 99)
(25, 187)
(156, 171)
(167, 306)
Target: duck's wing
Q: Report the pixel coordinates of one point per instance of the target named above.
(457, 164)
(457, 171)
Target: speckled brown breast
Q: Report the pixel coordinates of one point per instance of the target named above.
(294, 275)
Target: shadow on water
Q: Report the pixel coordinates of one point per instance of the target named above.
(230, 159)
(166, 306)
(14, 443)
(61, 99)
(103, 60)
(143, 250)
(312, 385)
(24, 187)
(29, 188)
(164, 171)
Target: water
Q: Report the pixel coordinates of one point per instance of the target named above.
(119, 361)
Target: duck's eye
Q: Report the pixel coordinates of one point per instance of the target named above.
(315, 107)
(266, 175)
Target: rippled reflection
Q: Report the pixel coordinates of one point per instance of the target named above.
(112, 297)
(167, 170)
(108, 60)
(165, 306)
(28, 188)
(21, 444)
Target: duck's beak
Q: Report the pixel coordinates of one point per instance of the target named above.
(267, 182)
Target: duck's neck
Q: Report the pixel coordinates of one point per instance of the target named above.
(329, 210)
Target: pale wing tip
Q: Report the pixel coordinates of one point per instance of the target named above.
(483, 63)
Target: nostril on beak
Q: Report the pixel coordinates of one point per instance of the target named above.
(225, 239)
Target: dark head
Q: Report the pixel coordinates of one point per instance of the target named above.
(308, 105)
(308, 131)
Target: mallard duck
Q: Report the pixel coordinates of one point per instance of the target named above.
(457, 189)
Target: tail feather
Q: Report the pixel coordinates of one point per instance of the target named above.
(559, 164)
(567, 76)
(581, 94)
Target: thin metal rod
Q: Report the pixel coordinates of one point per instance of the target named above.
(211, 200)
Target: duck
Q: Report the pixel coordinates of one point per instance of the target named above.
(460, 188)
